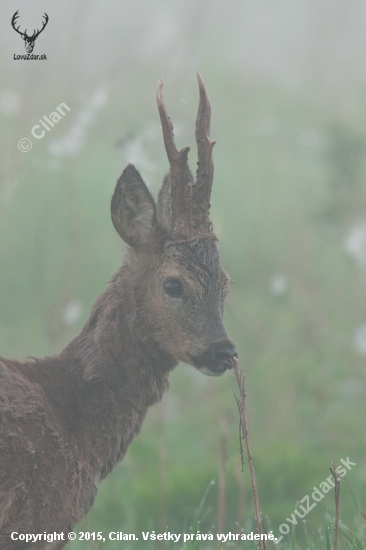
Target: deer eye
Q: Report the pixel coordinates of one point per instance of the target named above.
(174, 288)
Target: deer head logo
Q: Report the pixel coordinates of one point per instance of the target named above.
(28, 40)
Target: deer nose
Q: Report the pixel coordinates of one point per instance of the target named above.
(226, 355)
(216, 359)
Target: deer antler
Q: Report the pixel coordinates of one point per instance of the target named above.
(173, 197)
(184, 204)
(24, 35)
(205, 170)
(168, 133)
(37, 33)
(13, 21)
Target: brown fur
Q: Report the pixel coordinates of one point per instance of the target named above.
(66, 421)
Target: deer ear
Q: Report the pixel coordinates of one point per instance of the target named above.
(133, 208)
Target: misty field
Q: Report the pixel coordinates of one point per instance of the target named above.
(289, 209)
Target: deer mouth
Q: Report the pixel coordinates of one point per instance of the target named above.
(217, 359)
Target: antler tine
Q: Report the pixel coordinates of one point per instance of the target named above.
(167, 126)
(174, 197)
(15, 17)
(205, 145)
(38, 32)
(14, 20)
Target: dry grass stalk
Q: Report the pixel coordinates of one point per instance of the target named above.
(355, 500)
(243, 426)
(221, 515)
(242, 504)
(337, 491)
(162, 470)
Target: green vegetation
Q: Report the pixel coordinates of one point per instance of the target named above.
(283, 215)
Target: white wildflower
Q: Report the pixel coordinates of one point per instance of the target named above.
(10, 102)
(73, 141)
(360, 339)
(355, 243)
(278, 285)
(72, 312)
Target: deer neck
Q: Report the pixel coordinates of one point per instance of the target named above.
(124, 373)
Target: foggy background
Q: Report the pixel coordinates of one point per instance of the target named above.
(287, 85)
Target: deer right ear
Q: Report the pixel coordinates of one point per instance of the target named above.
(133, 209)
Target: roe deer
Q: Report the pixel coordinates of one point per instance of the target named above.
(67, 420)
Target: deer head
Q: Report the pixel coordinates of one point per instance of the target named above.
(179, 284)
(29, 41)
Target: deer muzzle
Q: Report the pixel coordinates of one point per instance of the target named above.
(216, 359)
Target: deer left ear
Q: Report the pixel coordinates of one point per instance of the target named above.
(133, 209)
